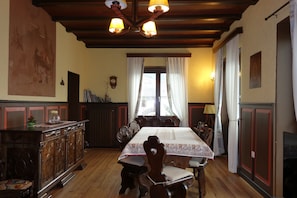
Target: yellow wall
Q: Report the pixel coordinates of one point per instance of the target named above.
(261, 35)
(71, 55)
(4, 24)
(96, 65)
(107, 62)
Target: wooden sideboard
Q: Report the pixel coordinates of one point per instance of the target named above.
(45, 154)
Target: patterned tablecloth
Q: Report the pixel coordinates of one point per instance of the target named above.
(178, 141)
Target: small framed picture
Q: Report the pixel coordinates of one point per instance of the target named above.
(255, 70)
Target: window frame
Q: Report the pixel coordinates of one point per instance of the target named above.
(156, 70)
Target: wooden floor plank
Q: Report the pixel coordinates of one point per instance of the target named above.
(101, 178)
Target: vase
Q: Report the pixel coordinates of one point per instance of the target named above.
(30, 124)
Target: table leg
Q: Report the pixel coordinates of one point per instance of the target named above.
(129, 174)
(127, 180)
(201, 182)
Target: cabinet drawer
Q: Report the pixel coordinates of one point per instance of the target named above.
(20, 138)
(52, 135)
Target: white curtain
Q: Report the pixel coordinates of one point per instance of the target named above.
(218, 141)
(232, 99)
(135, 71)
(177, 75)
(293, 24)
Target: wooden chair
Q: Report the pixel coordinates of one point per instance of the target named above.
(133, 166)
(123, 136)
(198, 163)
(167, 181)
(134, 127)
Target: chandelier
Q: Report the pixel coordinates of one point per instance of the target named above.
(146, 27)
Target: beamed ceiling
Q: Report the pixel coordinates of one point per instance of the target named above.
(187, 24)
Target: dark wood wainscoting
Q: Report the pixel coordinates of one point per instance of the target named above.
(196, 113)
(15, 114)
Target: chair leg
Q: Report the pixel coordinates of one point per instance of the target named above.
(143, 190)
(201, 182)
(195, 172)
(178, 190)
(127, 180)
(158, 191)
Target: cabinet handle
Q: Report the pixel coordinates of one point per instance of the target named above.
(50, 134)
(253, 154)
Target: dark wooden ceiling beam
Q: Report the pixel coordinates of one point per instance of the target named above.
(156, 43)
(163, 18)
(126, 38)
(159, 54)
(189, 23)
(173, 45)
(163, 29)
(171, 2)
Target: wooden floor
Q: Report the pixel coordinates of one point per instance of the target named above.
(101, 179)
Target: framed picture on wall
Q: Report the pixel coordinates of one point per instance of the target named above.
(32, 51)
(255, 70)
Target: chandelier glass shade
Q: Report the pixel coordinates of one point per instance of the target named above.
(158, 5)
(149, 29)
(116, 25)
(121, 3)
(146, 27)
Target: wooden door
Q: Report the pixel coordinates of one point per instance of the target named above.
(103, 124)
(73, 96)
(246, 141)
(263, 149)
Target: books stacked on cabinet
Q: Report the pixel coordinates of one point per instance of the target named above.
(90, 97)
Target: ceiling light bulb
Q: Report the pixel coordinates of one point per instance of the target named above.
(116, 25)
(149, 28)
(121, 3)
(158, 5)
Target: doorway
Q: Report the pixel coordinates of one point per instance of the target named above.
(73, 97)
(285, 116)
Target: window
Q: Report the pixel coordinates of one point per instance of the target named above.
(154, 99)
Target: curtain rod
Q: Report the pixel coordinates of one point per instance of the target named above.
(238, 30)
(276, 11)
(159, 54)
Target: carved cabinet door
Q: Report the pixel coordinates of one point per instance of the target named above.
(70, 148)
(79, 144)
(47, 162)
(60, 156)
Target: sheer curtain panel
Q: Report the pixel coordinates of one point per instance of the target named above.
(232, 99)
(177, 75)
(218, 141)
(134, 75)
(293, 25)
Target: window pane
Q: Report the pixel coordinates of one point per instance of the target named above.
(164, 104)
(147, 106)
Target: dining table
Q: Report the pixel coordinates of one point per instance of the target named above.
(180, 144)
(178, 141)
